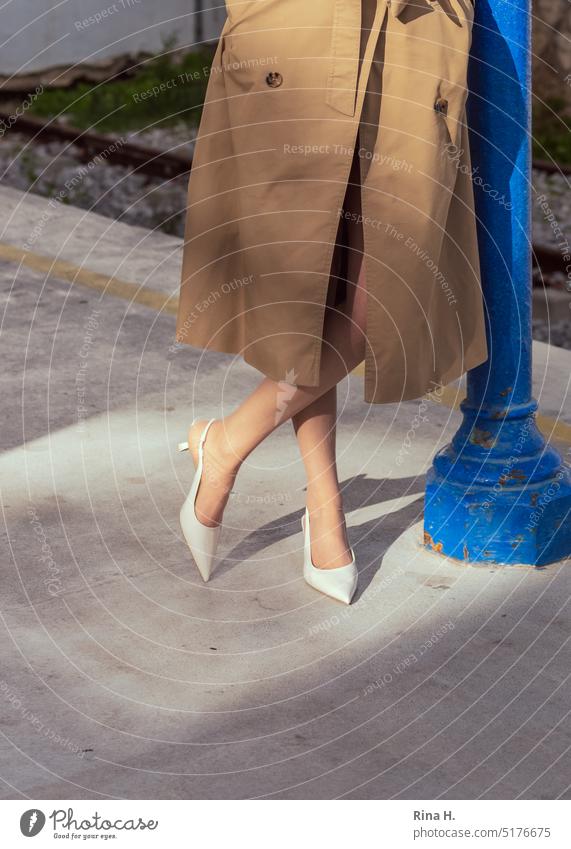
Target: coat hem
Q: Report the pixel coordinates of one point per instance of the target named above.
(371, 389)
(372, 395)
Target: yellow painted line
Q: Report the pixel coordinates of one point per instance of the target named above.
(91, 279)
(551, 428)
(160, 302)
(451, 397)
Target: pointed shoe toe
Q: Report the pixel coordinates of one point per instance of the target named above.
(340, 583)
(201, 540)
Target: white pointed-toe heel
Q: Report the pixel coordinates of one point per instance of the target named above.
(339, 583)
(202, 540)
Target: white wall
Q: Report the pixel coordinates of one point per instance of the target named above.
(41, 34)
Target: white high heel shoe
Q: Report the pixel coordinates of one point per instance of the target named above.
(202, 540)
(339, 583)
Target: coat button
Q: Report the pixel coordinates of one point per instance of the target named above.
(274, 79)
(441, 105)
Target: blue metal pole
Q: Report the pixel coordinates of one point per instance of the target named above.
(498, 493)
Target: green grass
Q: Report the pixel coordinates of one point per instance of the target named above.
(121, 105)
(124, 104)
(552, 132)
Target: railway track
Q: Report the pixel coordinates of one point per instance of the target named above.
(166, 165)
(157, 163)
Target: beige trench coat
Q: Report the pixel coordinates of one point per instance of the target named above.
(274, 151)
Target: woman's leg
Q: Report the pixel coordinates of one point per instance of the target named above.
(315, 430)
(315, 425)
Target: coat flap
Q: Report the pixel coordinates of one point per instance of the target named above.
(397, 6)
(345, 44)
(345, 47)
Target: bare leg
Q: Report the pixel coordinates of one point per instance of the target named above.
(315, 428)
(315, 431)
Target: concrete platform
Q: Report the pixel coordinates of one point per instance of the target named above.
(124, 676)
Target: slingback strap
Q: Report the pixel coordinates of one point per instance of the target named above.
(184, 446)
(204, 432)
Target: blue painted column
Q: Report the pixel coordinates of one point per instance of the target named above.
(498, 493)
